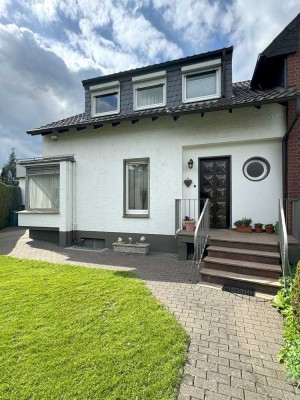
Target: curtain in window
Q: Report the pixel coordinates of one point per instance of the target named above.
(44, 191)
(202, 84)
(138, 186)
(150, 95)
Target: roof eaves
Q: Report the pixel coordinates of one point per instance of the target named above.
(172, 112)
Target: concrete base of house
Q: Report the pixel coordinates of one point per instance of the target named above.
(92, 239)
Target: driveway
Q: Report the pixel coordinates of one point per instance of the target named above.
(234, 338)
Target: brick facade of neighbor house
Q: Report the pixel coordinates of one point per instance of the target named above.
(293, 148)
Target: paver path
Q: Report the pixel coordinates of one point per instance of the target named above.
(234, 340)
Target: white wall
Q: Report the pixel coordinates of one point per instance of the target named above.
(169, 144)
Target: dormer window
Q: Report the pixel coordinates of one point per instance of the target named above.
(201, 81)
(149, 91)
(105, 99)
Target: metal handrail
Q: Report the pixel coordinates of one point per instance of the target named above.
(201, 236)
(283, 244)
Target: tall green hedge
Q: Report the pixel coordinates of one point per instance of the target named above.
(10, 200)
(295, 298)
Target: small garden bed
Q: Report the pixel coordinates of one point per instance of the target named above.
(70, 332)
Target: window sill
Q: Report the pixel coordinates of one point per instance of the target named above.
(136, 216)
(39, 212)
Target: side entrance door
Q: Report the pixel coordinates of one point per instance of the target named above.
(214, 183)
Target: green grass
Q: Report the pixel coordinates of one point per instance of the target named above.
(69, 332)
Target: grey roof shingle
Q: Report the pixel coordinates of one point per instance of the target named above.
(243, 96)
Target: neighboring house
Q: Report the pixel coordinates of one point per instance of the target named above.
(116, 169)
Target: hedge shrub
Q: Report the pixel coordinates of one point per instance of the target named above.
(287, 302)
(10, 200)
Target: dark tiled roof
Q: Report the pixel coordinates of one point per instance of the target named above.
(243, 96)
(158, 66)
(286, 42)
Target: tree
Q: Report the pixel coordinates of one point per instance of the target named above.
(8, 173)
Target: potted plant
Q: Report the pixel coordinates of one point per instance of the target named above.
(130, 247)
(258, 227)
(269, 228)
(189, 223)
(276, 228)
(243, 225)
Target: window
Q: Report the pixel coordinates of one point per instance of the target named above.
(256, 169)
(149, 91)
(137, 187)
(43, 188)
(105, 99)
(201, 81)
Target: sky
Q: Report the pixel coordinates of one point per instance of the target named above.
(48, 46)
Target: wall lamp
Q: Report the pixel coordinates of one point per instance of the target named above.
(190, 163)
(53, 137)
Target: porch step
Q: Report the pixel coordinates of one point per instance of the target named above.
(248, 268)
(257, 283)
(246, 244)
(255, 256)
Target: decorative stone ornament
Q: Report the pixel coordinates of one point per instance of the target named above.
(188, 182)
(131, 248)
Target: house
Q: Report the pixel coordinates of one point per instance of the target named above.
(176, 130)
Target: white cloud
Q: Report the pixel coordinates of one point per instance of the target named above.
(36, 88)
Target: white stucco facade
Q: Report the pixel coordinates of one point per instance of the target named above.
(91, 196)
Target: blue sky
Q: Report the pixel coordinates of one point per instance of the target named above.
(48, 46)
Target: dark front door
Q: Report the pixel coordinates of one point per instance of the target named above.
(214, 177)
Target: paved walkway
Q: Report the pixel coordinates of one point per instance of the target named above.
(234, 340)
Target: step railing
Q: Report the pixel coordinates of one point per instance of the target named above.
(187, 208)
(201, 236)
(283, 244)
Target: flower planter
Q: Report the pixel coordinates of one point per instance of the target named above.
(190, 226)
(269, 229)
(133, 248)
(244, 229)
(258, 229)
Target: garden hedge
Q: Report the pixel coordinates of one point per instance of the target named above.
(295, 298)
(10, 200)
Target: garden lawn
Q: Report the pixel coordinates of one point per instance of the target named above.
(69, 332)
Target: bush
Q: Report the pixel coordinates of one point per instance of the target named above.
(10, 200)
(295, 298)
(288, 303)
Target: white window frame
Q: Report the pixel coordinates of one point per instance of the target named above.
(43, 170)
(207, 66)
(99, 90)
(145, 161)
(147, 81)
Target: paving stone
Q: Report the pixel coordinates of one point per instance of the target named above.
(221, 378)
(206, 384)
(270, 391)
(230, 371)
(238, 393)
(215, 396)
(255, 396)
(193, 391)
(242, 383)
(277, 383)
(264, 371)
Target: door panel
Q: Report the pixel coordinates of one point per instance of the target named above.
(214, 179)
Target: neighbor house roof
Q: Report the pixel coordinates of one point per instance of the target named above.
(286, 42)
(243, 96)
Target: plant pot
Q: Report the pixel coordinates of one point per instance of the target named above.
(244, 229)
(258, 229)
(133, 248)
(269, 229)
(190, 226)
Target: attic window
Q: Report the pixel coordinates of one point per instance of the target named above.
(149, 91)
(201, 81)
(105, 99)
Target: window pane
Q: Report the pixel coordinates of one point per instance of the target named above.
(106, 103)
(44, 191)
(138, 186)
(202, 84)
(149, 96)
